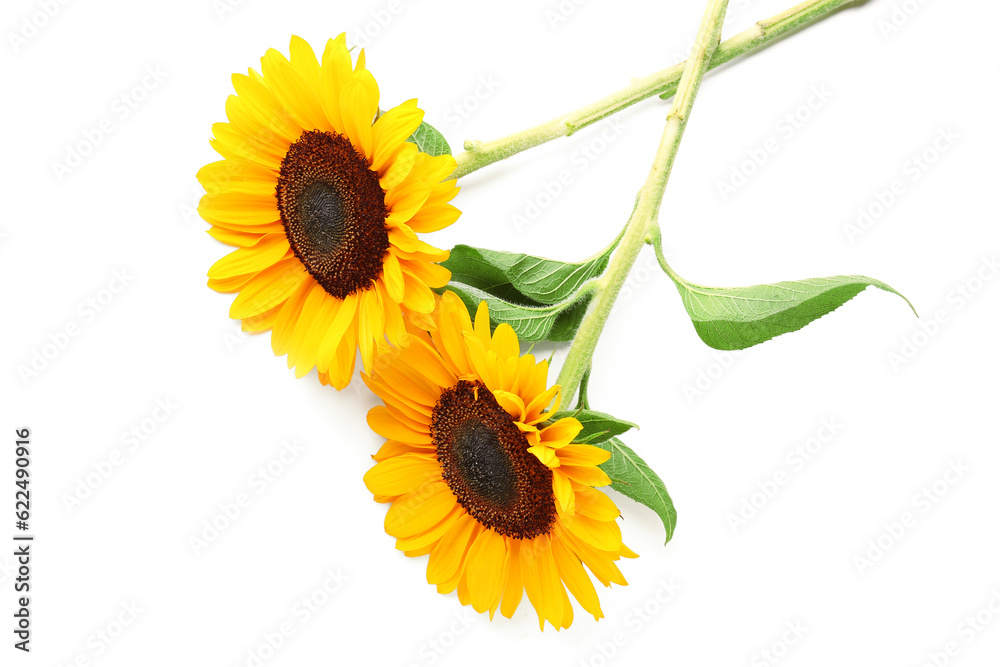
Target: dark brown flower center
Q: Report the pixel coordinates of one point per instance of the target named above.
(486, 462)
(333, 210)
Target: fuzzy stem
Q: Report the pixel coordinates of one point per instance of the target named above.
(643, 221)
(664, 83)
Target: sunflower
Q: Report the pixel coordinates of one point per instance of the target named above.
(323, 197)
(481, 478)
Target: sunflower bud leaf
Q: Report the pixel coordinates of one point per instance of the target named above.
(632, 477)
(735, 318)
(429, 140)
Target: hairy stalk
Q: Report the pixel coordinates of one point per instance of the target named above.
(664, 83)
(643, 222)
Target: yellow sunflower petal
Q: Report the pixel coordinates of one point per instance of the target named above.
(260, 323)
(334, 74)
(343, 321)
(417, 296)
(234, 238)
(430, 537)
(572, 573)
(391, 129)
(512, 403)
(269, 288)
(388, 426)
(561, 432)
(231, 144)
(485, 569)
(562, 488)
(392, 448)
(601, 563)
(589, 475)
(256, 93)
(284, 326)
(293, 91)
(231, 175)
(601, 535)
(535, 410)
(241, 208)
(583, 455)
(303, 59)
(420, 510)
(430, 274)
(513, 588)
(341, 372)
(505, 342)
(596, 504)
(392, 274)
(405, 201)
(449, 554)
(358, 108)
(529, 578)
(266, 252)
(402, 474)
(399, 165)
(434, 169)
(433, 217)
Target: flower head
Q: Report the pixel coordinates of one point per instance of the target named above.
(323, 197)
(483, 479)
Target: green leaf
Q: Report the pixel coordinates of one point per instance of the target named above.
(632, 477)
(568, 321)
(597, 426)
(521, 278)
(429, 140)
(735, 318)
(556, 322)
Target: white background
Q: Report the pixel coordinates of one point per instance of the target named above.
(166, 336)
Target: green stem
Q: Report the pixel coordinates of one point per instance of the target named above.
(643, 224)
(664, 83)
